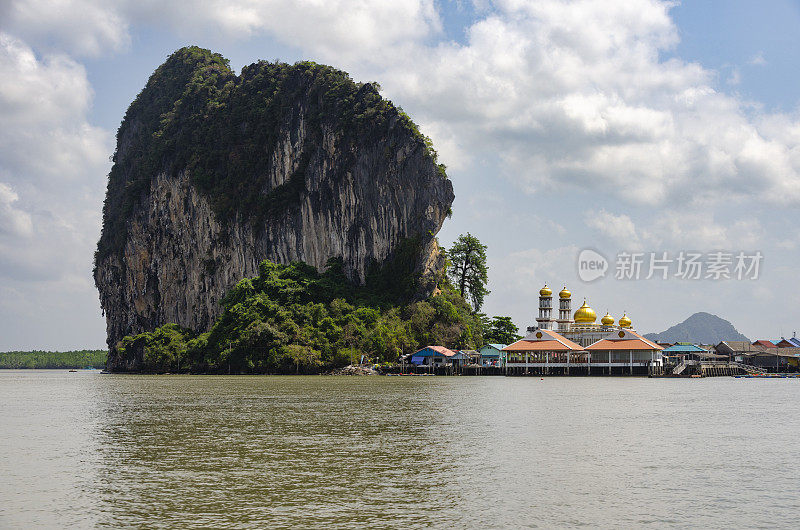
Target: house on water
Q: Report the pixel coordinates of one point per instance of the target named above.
(434, 356)
(492, 355)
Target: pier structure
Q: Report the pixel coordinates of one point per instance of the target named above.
(581, 345)
(546, 352)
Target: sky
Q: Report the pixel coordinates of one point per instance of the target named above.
(646, 131)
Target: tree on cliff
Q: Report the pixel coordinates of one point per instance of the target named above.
(502, 331)
(467, 268)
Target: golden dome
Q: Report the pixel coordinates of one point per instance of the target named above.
(624, 322)
(564, 293)
(545, 291)
(585, 314)
(607, 320)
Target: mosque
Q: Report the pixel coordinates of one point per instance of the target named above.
(579, 345)
(582, 327)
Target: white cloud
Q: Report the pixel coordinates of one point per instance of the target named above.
(735, 78)
(575, 94)
(678, 229)
(757, 60)
(52, 163)
(617, 228)
(80, 26)
(12, 220)
(533, 267)
(565, 93)
(335, 27)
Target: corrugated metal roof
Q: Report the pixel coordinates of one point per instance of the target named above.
(683, 348)
(735, 346)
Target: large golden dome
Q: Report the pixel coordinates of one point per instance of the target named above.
(607, 320)
(545, 291)
(564, 293)
(624, 322)
(585, 314)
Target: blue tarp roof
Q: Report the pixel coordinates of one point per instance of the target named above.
(795, 341)
(683, 348)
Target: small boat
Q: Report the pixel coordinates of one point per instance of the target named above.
(73, 370)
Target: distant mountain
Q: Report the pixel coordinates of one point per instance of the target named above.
(700, 328)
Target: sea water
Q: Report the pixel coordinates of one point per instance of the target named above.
(87, 450)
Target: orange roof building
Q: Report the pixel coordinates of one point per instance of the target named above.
(625, 348)
(543, 348)
(618, 351)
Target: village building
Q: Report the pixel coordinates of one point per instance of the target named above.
(433, 356)
(757, 354)
(492, 354)
(681, 352)
(543, 352)
(625, 351)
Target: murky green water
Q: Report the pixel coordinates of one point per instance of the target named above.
(83, 449)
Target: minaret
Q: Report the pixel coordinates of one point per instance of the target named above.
(545, 319)
(564, 309)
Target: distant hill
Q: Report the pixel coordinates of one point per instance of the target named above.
(700, 328)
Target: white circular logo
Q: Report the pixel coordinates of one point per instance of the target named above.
(591, 265)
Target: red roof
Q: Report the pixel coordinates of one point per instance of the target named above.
(441, 349)
(765, 343)
(537, 345)
(630, 341)
(548, 341)
(629, 344)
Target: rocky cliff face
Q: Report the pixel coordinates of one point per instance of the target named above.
(215, 172)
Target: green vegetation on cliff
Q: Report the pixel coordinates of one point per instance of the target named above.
(53, 359)
(292, 318)
(196, 114)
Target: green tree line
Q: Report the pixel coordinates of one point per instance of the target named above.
(53, 359)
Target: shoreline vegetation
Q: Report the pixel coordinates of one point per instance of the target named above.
(292, 319)
(40, 359)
